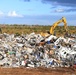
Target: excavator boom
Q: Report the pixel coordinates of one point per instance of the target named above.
(63, 19)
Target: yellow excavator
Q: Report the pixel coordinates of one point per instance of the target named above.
(63, 19)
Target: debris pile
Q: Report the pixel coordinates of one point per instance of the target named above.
(33, 50)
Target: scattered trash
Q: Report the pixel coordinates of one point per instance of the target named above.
(34, 50)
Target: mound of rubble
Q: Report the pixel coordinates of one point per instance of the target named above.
(33, 50)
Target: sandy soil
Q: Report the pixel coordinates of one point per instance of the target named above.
(37, 71)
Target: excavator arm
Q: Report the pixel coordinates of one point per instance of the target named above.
(63, 19)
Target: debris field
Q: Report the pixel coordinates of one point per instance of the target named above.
(34, 51)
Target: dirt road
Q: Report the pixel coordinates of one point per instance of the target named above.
(37, 71)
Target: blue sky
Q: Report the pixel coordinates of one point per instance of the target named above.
(44, 12)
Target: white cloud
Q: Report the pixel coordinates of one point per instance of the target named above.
(1, 13)
(14, 14)
(59, 10)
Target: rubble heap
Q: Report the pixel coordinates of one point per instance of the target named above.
(33, 50)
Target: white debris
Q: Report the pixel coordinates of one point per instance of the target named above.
(50, 38)
(33, 50)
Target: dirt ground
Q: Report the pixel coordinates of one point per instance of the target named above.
(37, 71)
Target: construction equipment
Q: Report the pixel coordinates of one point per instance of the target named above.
(63, 19)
